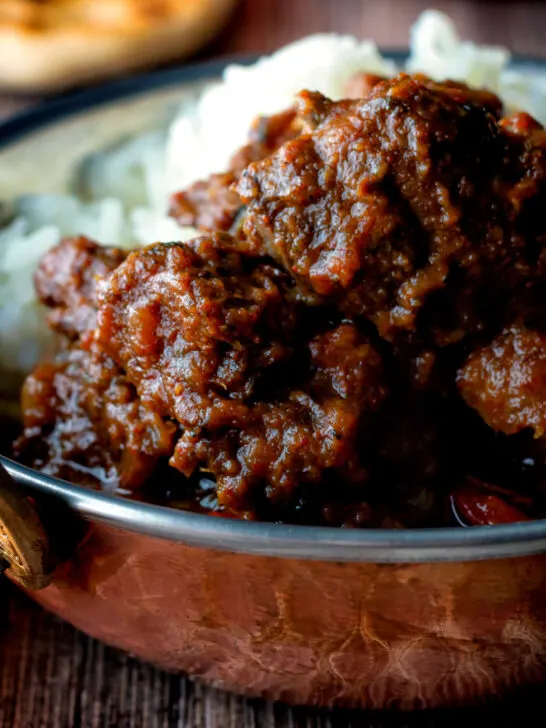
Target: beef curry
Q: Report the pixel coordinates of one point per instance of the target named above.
(357, 337)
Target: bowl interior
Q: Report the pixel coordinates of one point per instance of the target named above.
(39, 151)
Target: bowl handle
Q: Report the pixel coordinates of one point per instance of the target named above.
(24, 546)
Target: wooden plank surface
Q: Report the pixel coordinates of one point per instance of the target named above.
(51, 676)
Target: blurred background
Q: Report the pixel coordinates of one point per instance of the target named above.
(261, 25)
(33, 63)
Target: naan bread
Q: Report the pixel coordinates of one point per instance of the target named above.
(48, 45)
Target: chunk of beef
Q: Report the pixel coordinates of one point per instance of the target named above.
(307, 361)
(66, 281)
(209, 204)
(267, 134)
(196, 328)
(82, 418)
(313, 109)
(84, 422)
(391, 199)
(361, 84)
(463, 94)
(213, 204)
(505, 381)
(313, 435)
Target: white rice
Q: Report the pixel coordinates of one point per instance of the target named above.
(122, 194)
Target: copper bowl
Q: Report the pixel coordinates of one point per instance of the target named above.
(312, 615)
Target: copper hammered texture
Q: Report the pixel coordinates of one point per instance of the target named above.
(307, 632)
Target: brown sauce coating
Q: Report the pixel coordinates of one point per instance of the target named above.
(66, 281)
(84, 422)
(213, 204)
(376, 208)
(312, 429)
(267, 134)
(463, 94)
(505, 381)
(195, 327)
(365, 348)
(360, 85)
(209, 204)
(82, 418)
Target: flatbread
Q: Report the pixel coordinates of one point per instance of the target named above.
(48, 45)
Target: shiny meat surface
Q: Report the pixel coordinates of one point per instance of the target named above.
(315, 428)
(209, 204)
(213, 204)
(208, 339)
(505, 381)
(358, 340)
(266, 135)
(66, 281)
(396, 197)
(196, 328)
(84, 422)
(463, 94)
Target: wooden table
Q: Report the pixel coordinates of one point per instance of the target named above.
(51, 676)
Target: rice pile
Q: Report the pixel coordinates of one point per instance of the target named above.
(127, 189)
